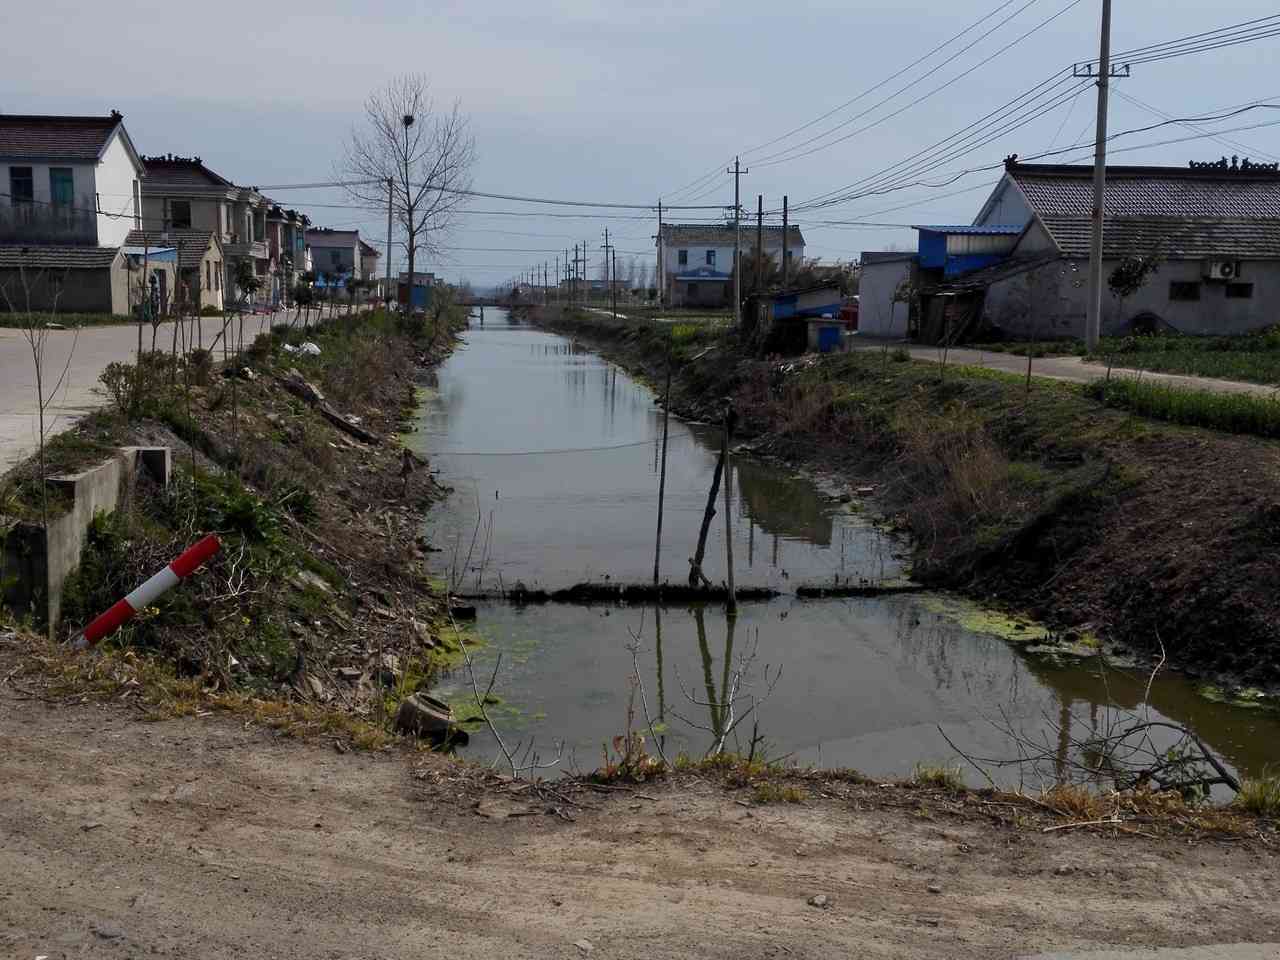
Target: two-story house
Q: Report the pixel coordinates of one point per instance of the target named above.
(71, 196)
(335, 254)
(287, 242)
(695, 261)
(181, 193)
(369, 257)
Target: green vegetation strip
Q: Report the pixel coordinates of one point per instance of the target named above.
(1230, 412)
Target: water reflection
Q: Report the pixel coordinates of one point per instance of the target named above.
(867, 683)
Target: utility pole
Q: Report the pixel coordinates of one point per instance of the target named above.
(759, 241)
(613, 287)
(386, 294)
(609, 283)
(557, 278)
(586, 278)
(662, 280)
(784, 242)
(737, 172)
(1093, 319)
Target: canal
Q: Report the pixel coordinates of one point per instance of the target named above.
(553, 454)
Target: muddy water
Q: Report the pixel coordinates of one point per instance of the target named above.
(553, 454)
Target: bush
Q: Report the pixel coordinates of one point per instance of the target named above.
(210, 311)
(900, 355)
(1261, 795)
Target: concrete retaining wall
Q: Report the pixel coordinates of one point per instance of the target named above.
(38, 562)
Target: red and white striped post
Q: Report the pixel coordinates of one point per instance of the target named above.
(122, 611)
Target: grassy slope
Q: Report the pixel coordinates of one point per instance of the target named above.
(1090, 517)
(320, 569)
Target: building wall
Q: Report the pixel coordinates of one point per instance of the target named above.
(670, 254)
(116, 180)
(1059, 293)
(1007, 206)
(205, 213)
(878, 314)
(39, 222)
(82, 291)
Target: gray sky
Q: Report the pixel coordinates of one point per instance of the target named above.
(625, 102)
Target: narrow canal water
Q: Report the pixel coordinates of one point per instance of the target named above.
(553, 455)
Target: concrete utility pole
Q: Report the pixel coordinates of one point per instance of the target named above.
(661, 266)
(387, 294)
(784, 242)
(737, 172)
(759, 240)
(609, 283)
(1093, 320)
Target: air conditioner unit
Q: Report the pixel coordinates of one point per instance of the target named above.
(1222, 269)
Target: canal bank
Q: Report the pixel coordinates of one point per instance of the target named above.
(564, 491)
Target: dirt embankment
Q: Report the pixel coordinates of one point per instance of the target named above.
(1144, 535)
(210, 838)
(319, 609)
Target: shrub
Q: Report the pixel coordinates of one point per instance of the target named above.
(210, 311)
(900, 355)
(946, 778)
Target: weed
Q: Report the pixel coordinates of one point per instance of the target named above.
(770, 792)
(1261, 795)
(944, 778)
(900, 355)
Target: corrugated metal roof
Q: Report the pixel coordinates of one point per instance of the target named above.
(996, 230)
(55, 138)
(57, 258)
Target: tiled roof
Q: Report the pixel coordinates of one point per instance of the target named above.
(1174, 238)
(57, 258)
(997, 271)
(55, 138)
(192, 244)
(693, 233)
(1067, 191)
(171, 171)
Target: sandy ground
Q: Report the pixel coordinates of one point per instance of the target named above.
(204, 838)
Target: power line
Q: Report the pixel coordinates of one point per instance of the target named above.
(780, 158)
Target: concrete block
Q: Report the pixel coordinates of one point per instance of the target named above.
(40, 561)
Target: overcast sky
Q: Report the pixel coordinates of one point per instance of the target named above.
(627, 101)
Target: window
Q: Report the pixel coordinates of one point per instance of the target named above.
(335, 257)
(137, 207)
(61, 186)
(682, 257)
(22, 185)
(711, 258)
(1184, 290)
(217, 275)
(1239, 291)
(180, 214)
(208, 275)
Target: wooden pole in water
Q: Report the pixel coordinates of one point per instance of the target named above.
(662, 475)
(695, 562)
(731, 602)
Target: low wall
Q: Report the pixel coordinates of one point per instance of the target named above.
(38, 561)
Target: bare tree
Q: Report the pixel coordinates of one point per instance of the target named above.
(425, 152)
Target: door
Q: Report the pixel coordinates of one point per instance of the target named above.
(828, 338)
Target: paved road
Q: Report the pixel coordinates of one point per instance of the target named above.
(1074, 369)
(89, 351)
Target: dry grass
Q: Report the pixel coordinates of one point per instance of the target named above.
(945, 778)
(1260, 796)
(54, 673)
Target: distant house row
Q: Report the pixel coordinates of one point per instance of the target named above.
(1021, 267)
(88, 224)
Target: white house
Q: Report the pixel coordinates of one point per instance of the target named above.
(69, 180)
(883, 303)
(71, 197)
(695, 261)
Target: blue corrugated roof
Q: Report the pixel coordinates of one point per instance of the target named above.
(999, 230)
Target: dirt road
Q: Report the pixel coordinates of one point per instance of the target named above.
(1073, 369)
(201, 838)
